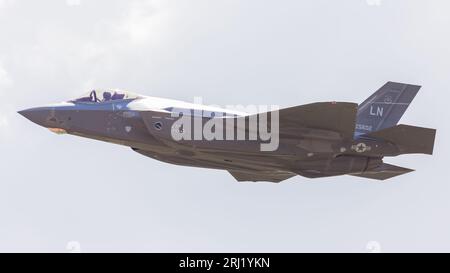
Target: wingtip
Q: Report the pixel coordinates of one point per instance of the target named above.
(402, 83)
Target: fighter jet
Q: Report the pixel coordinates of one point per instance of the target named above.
(314, 140)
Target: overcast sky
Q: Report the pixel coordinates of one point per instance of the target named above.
(60, 189)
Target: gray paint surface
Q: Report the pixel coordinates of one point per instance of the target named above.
(289, 52)
(314, 140)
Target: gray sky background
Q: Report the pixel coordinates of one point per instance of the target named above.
(57, 189)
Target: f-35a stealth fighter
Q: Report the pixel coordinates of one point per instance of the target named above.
(313, 140)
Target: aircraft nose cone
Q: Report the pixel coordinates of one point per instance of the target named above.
(40, 115)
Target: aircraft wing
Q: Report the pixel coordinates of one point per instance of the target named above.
(328, 117)
(267, 176)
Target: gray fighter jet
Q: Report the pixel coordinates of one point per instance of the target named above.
(313, 140)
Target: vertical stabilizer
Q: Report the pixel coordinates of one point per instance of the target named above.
(385, 107)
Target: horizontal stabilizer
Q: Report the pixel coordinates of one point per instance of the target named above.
(409, 139)
(383, 172)
(255, 176)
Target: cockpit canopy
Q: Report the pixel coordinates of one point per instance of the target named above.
(99, 96)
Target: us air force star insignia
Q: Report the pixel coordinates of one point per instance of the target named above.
(361, 147)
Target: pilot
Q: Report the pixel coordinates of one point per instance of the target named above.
(106, 96)
(117, 96)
